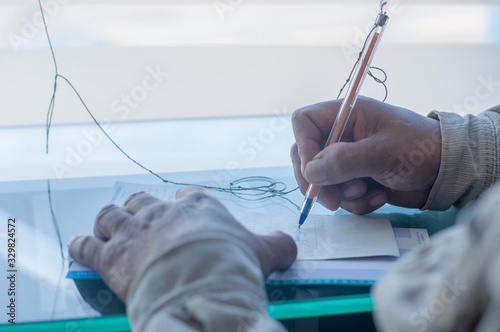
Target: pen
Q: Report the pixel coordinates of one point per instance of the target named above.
(347, 104)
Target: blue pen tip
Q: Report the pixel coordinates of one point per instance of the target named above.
(302, 218)
(306, 208)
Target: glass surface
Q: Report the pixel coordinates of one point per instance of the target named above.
(46, 219)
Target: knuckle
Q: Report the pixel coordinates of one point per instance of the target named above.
(105, 210)
(199, 203)
(156, 211)
(299, 114)
(113, 220)
(115, 249)
(190, 190)
(98, 232)
(135, 196)
(198, 195)
(74, 249)
(363, 98)
(121, 226)
(87, 253)
(296, 114)
(85, 246)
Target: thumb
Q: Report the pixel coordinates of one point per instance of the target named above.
(277, 252)
(344, 161)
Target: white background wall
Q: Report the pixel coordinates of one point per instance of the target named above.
(241, 57)
(223, 59)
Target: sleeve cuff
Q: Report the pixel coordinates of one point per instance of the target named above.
(468, 160)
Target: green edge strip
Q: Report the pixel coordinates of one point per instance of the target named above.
(321, 306)
(107, 323)
(278, 310)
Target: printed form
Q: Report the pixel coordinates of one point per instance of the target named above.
(329, 237)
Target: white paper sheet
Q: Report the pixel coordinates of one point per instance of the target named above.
(352, 271)
(329, 237)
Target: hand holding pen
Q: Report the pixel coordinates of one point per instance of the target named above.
(388, 154)
(361, 69)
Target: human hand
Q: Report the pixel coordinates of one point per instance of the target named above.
(388, 154)
(126, 239)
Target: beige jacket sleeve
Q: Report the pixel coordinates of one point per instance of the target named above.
(470, 154)
(208, 283)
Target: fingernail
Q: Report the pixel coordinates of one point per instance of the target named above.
(352, 191)
(316, 171)
(378, 200)
(72, 239)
